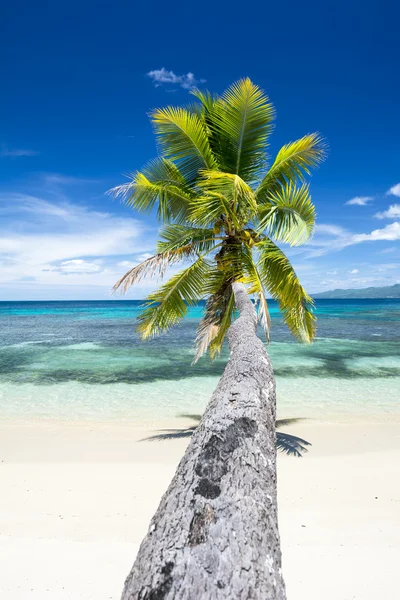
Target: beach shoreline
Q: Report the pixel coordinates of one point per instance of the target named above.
(77, 500)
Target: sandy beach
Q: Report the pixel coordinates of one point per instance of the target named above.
(77, 498)
(190, 223)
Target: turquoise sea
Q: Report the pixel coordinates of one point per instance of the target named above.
(83, 360)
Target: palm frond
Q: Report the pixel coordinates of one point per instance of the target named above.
(253, 280)
(169, 304)
(209, 109)
(182, 138)
(243, 120)
(206, 332)
(162, 182)
(206, 210)
(175, 236)
(223, 327)
(238, 193)
(280, 279)
(293, 162)
(157, 264)
(220, 308)
(207, 100)
(288, 215)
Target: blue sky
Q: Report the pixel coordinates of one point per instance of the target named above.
(73, 120)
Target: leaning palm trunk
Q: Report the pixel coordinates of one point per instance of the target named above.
(215, 534)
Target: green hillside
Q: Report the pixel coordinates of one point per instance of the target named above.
(390, 291)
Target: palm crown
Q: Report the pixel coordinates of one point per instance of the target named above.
(223, 208)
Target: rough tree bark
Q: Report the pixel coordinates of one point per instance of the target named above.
(215, 534)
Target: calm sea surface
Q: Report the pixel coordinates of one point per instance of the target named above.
(83, 360)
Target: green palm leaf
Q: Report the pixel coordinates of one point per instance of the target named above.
(169, 304)
(209, 109)
(243, 120)
(280, 279)
(292, 163)
(207, 103)
(160, 182)
(232, 187)
(182, 138)
(205, 210)
(288, 215)
(175, 236)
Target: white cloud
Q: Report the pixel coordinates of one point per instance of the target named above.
(23, 203)
(388, 250)
(331, 238)
(388, 267)
(393, 212)
(129, 264)
(360, 201)
(126, 263)
(331, 272)
(76, 266)
(144, 256)
(327, 238)
(394, 190)
(59, 179)
(332, 230)
(390, 232)
(6, 152)
(162, 76)
(354, 271)
(46, 241)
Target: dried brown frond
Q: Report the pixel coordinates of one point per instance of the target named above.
(157, 264)
(216, 321)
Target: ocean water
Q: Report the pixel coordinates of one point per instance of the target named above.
(84, 361)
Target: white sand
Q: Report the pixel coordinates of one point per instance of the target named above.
(76, 500)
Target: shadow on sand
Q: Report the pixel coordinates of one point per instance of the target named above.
(285, 442)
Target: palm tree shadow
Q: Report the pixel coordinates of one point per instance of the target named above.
(292, 445)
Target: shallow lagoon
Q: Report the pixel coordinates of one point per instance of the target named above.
(83, 360)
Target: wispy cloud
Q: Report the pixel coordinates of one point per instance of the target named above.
(127, 264)
(164, 77)
(390, 233)
(327, 238)
(73, 231)
(394, 190)
(360, 201)
(393, 212)
(59, 179)
(318, 279)
(389, 250)
(387, 267)
(331, 238)
(76, 266)
(6, 152)
(49, 241)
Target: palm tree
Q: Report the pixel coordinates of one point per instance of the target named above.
(224, 210)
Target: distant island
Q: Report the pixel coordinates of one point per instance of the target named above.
(390, 291)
